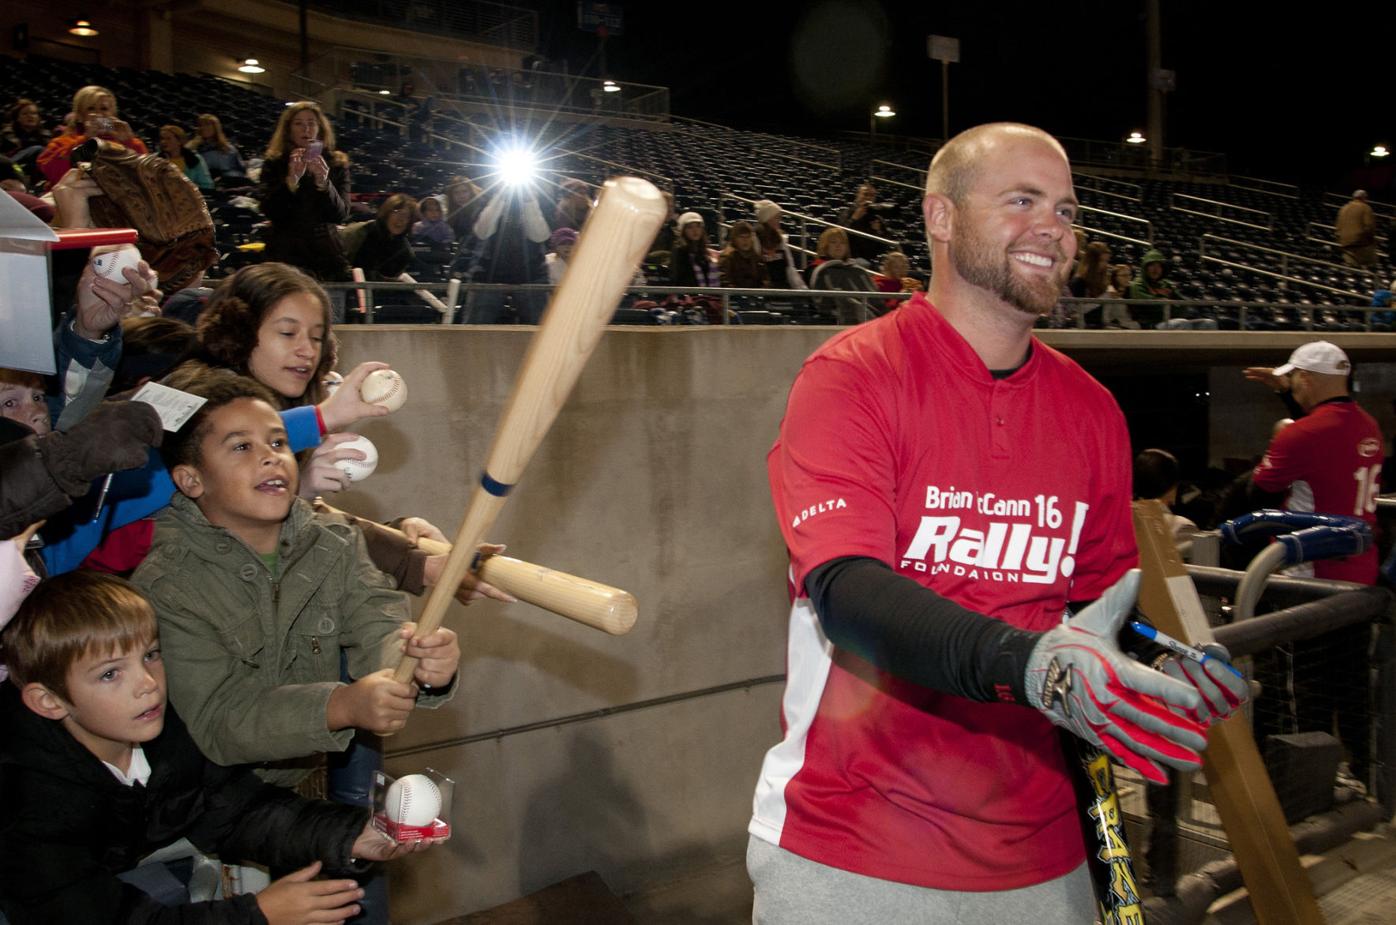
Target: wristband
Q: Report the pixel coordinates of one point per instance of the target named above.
(320, 421)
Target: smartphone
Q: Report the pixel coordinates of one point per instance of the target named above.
(101, 125)
(314, 150)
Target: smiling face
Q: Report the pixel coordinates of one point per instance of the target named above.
(24, 402)
(1012, 232)
(115, 701)
(245, 477)
(289, 342)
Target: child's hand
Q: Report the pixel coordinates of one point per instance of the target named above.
(297, 898)
(375, 702)
(373, 845)
(437, 654)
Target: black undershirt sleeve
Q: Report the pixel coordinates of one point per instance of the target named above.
(915, 634)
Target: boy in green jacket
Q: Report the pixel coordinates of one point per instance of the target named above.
(258, 595)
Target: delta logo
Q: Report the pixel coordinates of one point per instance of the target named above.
(814, 510)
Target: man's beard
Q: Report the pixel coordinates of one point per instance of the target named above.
(980, 264)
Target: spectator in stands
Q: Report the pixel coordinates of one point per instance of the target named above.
(172, 139)
(864, 215)
(463, 203)
(895, 277)
(305, 194)
(509, 244)
(832, 269)
(93, 116)
(1116, 314)
(691, 263)
(1091, 279)
(221, 155)
(380, 247)
(775, 249)
(1152, 281)
(740, 265)
(1384, 298)
(433, 227)
(573, 204)
(562, 241)
(1356, 228)
(24, 130)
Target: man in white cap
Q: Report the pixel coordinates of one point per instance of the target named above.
(1356, 228)
(1328, 462)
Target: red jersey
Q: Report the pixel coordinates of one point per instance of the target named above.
(1008, 496)
(1329, 462)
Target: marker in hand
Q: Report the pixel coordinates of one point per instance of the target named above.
(1179, 648)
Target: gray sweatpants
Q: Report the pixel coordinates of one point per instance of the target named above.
(791, 890)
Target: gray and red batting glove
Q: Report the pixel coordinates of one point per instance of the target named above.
(1081, 680)
(1223, 689)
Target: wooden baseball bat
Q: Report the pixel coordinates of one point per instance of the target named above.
(590, 603)
(618, 232)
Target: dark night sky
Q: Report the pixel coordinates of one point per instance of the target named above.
(1297, 96)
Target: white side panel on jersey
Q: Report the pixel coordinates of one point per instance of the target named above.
(808, 660)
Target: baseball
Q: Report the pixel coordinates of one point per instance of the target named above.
(108, 262)
(356, 470)
(384, 387)
(413, 799)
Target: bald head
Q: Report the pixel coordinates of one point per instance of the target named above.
(953, 168)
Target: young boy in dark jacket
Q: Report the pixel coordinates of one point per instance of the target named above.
(97, 772)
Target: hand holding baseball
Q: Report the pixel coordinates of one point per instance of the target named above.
(298, 898)
(438, 655)
(375, 702)
(347, 405)
(322, 472)
(102, 302)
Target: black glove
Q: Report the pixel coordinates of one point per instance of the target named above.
(115, 436)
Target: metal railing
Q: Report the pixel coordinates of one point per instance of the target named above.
(1103, 153)
(725, 295)
(513, 27)
(1216, 215)
(875, 178)
(1330, 239)
(1285, 256)
(1383, 210)
(804, 222)
(1148, 225)
(1269, 187)
(1290, 280)
(920, 172)
(1112, 235)
(1246, 312)
(1108, 185)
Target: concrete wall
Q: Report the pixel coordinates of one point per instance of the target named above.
(652, 479)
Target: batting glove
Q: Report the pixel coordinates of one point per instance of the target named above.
(1078, 677)
(1223, 689)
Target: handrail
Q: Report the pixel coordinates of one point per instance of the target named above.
(880, 179)
(1112, 234)
(1148, 225)
(1220, 204)
(1219, 218)
(1136, 191)
(1202, 244)
(1084, 304)
(1382, 209)
(1331, 240)
(1288, 279)
(919, 171)
(1288, 191)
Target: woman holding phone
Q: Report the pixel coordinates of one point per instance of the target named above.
(305, 194)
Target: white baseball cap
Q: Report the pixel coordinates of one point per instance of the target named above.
(1317, 357)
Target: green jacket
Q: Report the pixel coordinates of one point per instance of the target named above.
(252, 658)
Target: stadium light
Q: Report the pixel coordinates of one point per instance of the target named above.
(1135, 138)
(385, 93)
(250, 66)
(882, 112)
(83, 28)
(1380, 151)
(610, 86)
(517, 165)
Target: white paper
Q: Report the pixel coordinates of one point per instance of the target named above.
(173, 406)
(25, 317)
